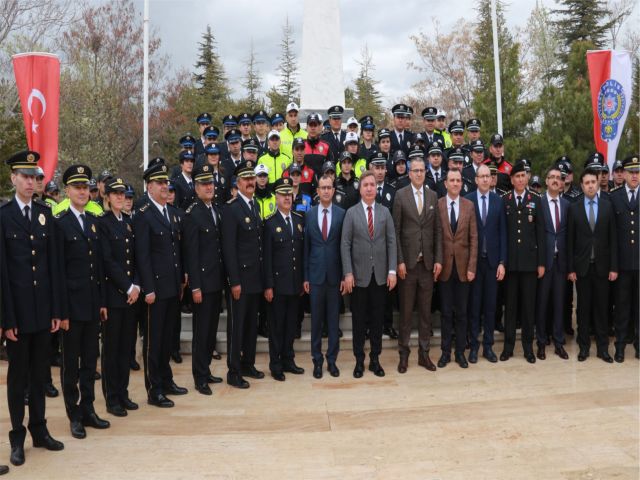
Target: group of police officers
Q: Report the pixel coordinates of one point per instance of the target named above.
(226, 229)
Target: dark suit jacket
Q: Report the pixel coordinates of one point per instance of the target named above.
(494, 230)
(417, 233)
(581, 239)
(335, 147)
(322, 263)
(554, 238)
(461, 246)
(407, 140)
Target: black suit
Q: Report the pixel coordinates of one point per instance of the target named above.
(159, 265)
(242, 253)
(407, 141)
(30, 299)
(82, 296)
(283, 272)
(117, 242)
(626, 313)
(335, 146)
(591, 256)
(203, 261)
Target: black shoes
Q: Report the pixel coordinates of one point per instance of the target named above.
(530, 357)
(96, 375)
(204, 389)
(317, 370)
(444, 359)
(129, 404)
(237, 381)
(604, 355)
(333, 370)
(212, 379)
(50, 391)
(619, 355)
(174, 389)
(376, 368)
(490, 355)
(117, 410)
(94, 421)
(4, 469)
(49, 443)
(134, 365)
(460, 360)
(390, 332)
(160, 400)
(77, 430)
(504, 356)
(358, 371)
(216, 355)
(583, 355)
(17, 455)
(473, 355)
(252, 372)
(561, 352)
(279, 376)
(176, 357)
(293, 368)
(541, 353)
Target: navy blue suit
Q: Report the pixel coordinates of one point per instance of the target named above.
(323, 270)
(551, 287)
(492, 251)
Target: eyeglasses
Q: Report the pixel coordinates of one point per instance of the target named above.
(325, 188)
(417, 170)
(483, 176)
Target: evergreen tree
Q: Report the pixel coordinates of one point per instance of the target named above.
(288, 86)
(583, 20)
(366, 96)
(210, 79)
(252, 83)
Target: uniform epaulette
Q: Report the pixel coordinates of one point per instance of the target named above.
(535, 194)
(41, 202)
(144, 207)
(62, 213)
(269, 216)
(616, 188)
(231, 200)
(501, 192)
(8, 202)
(298, 214)
(188, 210)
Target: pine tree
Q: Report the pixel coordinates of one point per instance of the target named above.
(367, 98)
(583, 20)
(252, 82)
(211, 80)
(288, 86)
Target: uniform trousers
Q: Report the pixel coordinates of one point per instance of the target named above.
(206, 316)
(117, 334)
(282, 331)
(158, 343)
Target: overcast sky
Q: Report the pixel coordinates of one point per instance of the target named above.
(385, 26)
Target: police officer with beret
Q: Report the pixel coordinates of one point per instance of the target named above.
(242, 253)
(283, 276)
(83, 301)
(158, 229)
(205, 271)
(30, 304)
(122, 286)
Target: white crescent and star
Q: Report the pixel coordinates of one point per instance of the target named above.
(37, 94)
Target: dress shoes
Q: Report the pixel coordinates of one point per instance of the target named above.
(237, 381)
(605, 356)
(293, 368)
(473, 355)
(376, 368)
(340, 334)
(96, 375)
(390, 332)
(212, 379)
(252, 372)
(174, 389)
(569, 331)
(561, 352)
(490, 355)
(333, 370)
(583, 355)
(134, 365)
(26, 398)
(77, 429)
(425, 361)
(161, 401)
(278, 376)
(94, 421)
(17, 455)
(50, 391)
(444, 359)
(504, 356)
(176, 357)
(530, 357)
(4, 469)
(49, 443)
(204, 389)
(216, 355)
(637, 353)
(460, 360)
(117, 410)
(317, 370)
(403, 364)
(541, 353)
(358, 371)
(619, 355)
(129, 404)
(499, 327)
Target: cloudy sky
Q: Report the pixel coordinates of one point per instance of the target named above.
(385, 26)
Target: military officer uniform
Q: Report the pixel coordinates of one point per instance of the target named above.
(283, 274)
(82, 297)
(158, 230)
(203, 261)
(525, 253)
(117, 243)
(30, 301)
(242, 253)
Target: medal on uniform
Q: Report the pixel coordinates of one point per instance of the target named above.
(278, 229)
(246, 219)
(42, 219)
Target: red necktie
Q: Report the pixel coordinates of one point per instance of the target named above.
(324, 225)
(370, 221)
(555, 204)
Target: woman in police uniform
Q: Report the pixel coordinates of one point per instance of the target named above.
(121, 284)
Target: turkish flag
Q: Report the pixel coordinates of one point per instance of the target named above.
(38, 81)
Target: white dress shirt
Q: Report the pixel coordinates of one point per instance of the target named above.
(456, 207)
(21, 205)
(321, 215)
(416, 196)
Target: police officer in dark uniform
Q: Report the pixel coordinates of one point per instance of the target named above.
(368, 146)
(30, 303)
(283, 277)
(473, 132)
(401, 139)
(83, 301)
(525, 261)
(429, 135)
(122, 287)
(385, 191)
(625, 208)
(335, 137)
(204, 120)
(204, 267)
(183, 181)
(476, 151)
(456, 158)
(436, 168)
(456, 130)
(158, 230)
(242, 253)
(347, 193)
(210, 135)
(221, 178)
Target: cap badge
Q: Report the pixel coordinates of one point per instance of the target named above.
(80, 170)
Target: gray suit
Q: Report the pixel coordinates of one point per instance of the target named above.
(369, 260)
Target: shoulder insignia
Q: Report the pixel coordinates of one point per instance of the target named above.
(4, 204)
(61, 213)
(231, 200)
(190, 207)
(535, 194)
(269, 216)
(501, 193)
(42, 203)
(144, 207)
(297, 214)
(616, 188)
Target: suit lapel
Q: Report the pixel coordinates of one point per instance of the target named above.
(20, 219)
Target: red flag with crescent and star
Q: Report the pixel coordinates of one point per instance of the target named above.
(38, 82)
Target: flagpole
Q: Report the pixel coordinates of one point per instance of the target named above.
(145, 87)
(496, 64)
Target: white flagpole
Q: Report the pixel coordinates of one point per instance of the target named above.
(496, 64)
(145, 86)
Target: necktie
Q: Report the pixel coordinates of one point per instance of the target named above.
(26, 213)
(83, 217)
(483, 217)
(337, 137)
(380, 192)
(370, 221)
(288, 220)
(190, 185)
(251, 207)
(592, 216)
(437, 177)
(400, 138)
(633, 197)
(557, 212)
(210, 207)
(419, 193)
(166, 215)
(454, 220)
(325, 226)
(519, 201)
